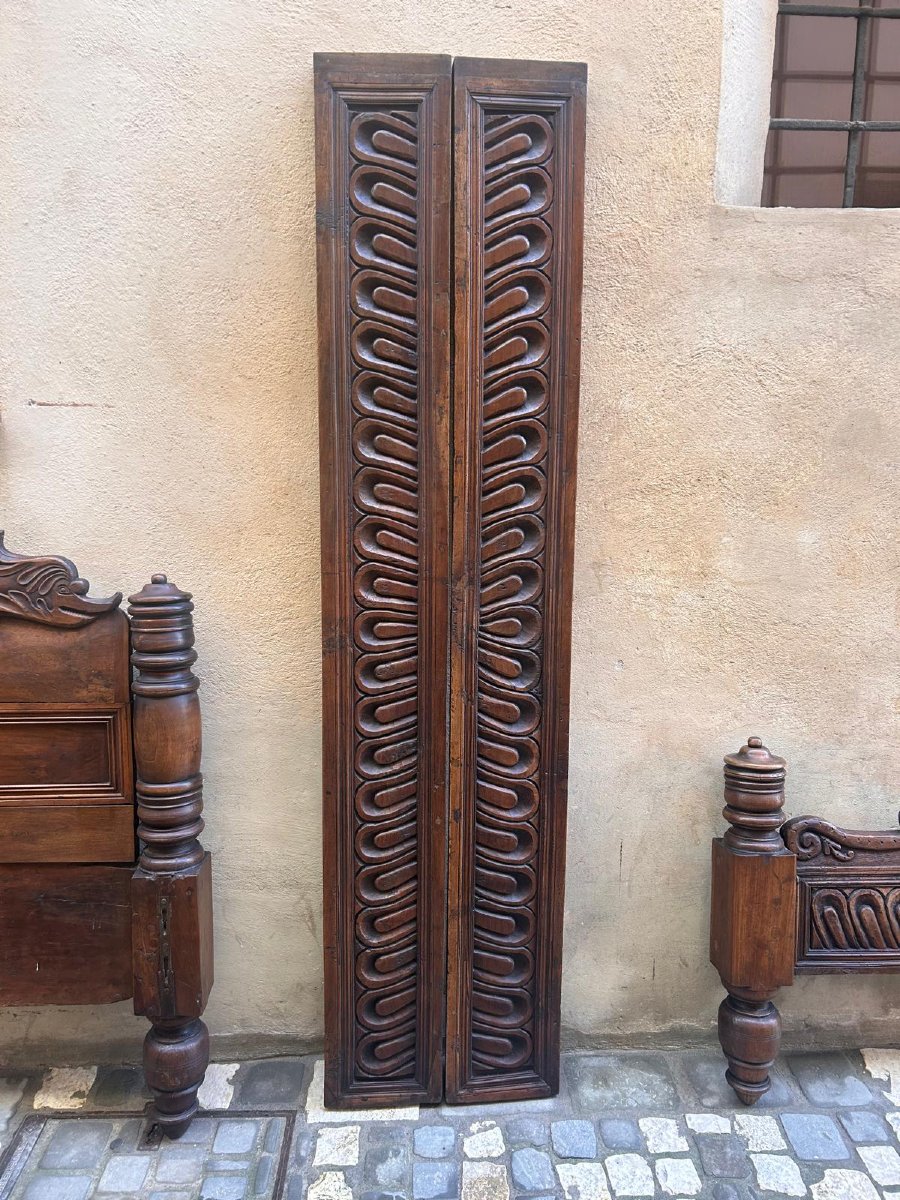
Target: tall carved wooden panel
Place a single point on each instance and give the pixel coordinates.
(383, 128)
(446, 682)
(518, 174)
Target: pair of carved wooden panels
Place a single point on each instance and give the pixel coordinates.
(450, 201)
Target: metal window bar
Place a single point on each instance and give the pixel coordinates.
(857, 125)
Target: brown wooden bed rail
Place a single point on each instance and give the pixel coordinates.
(105, 890)
(790, 897)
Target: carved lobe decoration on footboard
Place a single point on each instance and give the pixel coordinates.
(848, 895)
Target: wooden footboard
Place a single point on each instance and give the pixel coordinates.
(790, 897)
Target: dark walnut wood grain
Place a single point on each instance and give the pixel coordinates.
(172, 886)
(518, 178)
(382, 134)
(67, 798)
(65, 933)
(799, 897)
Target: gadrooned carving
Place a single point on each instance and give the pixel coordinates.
(518, 310)
(48, 589)
(383, 193)
(848, 918)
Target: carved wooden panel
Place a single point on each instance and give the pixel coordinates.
(849, 897)
(383, 245)
(518, 163)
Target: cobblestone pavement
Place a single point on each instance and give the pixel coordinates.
(635, 1124)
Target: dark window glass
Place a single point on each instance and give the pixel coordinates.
(836, 71)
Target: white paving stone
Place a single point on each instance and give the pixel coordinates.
(893, 1119)
(678, 1177)
(885, 1064)
(485, 1140)
(630, 1175)
(761, 1133)
(11, 1092)
(662, 1135)
(337, 1146)
(318, 1114)
(583, 1181)
(217, 1089)
(778, 1173)
(65, 1089)
(707, 1123)
(882, 1163)
(484, 1181)
(846, 1185)
(330, 1186)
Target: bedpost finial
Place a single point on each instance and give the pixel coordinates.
(754, 798)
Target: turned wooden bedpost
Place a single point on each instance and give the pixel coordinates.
(753, 916)
(171, 889)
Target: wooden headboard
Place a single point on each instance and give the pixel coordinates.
(105, 890)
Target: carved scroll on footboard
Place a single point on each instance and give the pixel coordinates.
(803, 897)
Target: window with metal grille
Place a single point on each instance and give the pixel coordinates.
(834, 136)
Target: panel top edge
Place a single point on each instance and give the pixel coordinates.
(522, 70)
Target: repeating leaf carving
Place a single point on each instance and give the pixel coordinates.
(517, 315)
(383, 303)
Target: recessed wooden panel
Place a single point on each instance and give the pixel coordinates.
(66, 934)
(382, 135)
(518, 163)
(48, 757)
(86, 834)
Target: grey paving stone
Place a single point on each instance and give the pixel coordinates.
(127, 1137)
(118, 1088)
(434, 1141)
(77, 1144)
(728, 1191)
(387, 1166)
(620, 1134)
(274, 1083)
(706, 1075)
(171, 1196)
(574, 1139)
(274, 1134)
(58, 1187)
(865, 1127)
(303, 1145)
(179, 1164)
(723, 1155)
(829, 1080)
(236, 1137)
(532, 1170)
(223, 1187)
(601, 1082)
(220, 1163)
(265, 1173)
(200, 1131)
(124, 1173)
(814, 1137)
(384, 1196)
(529, 1130)
(435, 1181)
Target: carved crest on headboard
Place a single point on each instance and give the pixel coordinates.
(48, 590)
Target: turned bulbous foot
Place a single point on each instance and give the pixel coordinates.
(750, 1034)
(176, 1055)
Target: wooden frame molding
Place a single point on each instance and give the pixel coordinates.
(790, 898)
(383, 186)
(518, 173)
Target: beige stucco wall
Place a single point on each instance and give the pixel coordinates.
(738, 501)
